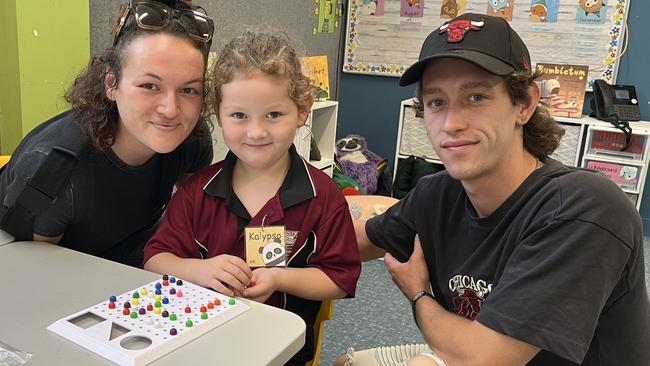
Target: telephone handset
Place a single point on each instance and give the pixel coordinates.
(616, 104)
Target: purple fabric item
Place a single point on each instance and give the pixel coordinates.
(364, 167)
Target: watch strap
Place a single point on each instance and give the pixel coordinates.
(418, 296)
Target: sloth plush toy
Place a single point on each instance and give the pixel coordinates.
(359, 163)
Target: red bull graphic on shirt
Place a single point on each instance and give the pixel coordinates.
(469, 295)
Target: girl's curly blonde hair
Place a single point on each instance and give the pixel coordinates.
(269, 53)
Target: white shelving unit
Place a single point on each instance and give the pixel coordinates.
(412, 136)
(599, 149)
(584, 144)
(321, 124)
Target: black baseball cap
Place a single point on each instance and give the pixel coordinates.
(487, 41)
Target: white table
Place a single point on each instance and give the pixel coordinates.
(41, 283)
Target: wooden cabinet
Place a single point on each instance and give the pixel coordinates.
(587, 142)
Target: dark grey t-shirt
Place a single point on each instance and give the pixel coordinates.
(558, 265)
(105, 204)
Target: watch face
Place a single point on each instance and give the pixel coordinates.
(419, 295)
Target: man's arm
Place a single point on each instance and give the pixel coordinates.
(457, 340)
(367, 250)
(368, 207)
(460, 341)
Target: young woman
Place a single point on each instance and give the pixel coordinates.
(98, 177)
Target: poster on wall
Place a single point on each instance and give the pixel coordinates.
(562, 88)
(315, 69)
(577, 32)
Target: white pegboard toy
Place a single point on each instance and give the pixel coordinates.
(139, 326)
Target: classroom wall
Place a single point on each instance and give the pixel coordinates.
(44, 45)
(9, 79)
(296, 18)
(369, 105)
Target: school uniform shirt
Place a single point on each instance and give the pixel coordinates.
(205, 218)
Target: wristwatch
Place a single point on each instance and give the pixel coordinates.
(418, 296)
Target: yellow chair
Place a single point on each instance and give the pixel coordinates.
(326, 312)
(4, 159)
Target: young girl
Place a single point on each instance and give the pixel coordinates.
(135, 128)
(261, 98)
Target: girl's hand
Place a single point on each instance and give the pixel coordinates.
(266, 283)
(225, 273)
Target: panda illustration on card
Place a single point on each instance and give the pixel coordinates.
(273, 254)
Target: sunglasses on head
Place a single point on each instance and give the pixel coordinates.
(152, 15)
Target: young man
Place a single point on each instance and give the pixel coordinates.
(508, 256)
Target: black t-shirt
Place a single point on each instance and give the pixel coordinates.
(106, 206)
(558, 265)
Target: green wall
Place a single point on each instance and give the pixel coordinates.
(45, 44)
(9, 80)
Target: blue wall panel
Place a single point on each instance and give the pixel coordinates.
(369, 106)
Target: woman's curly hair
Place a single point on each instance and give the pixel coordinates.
(96, 114)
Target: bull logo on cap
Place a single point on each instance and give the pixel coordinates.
(456, 30)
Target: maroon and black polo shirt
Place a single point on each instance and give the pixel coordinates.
(205, 219)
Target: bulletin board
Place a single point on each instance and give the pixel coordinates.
(310, 32)
(381, 38)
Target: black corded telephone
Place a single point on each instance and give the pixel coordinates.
(616, 104)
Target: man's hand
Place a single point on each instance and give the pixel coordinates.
(412, 276)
